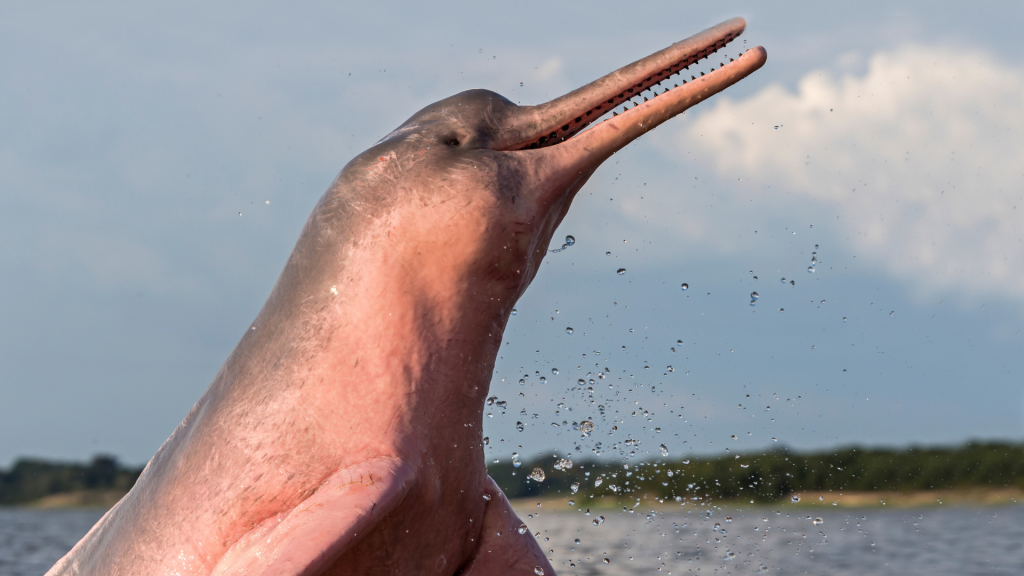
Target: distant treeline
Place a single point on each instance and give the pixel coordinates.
(30, 479)
(775, 475)
(762, 477)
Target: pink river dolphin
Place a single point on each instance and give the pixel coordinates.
(343, 433)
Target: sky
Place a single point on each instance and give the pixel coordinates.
(157, 164)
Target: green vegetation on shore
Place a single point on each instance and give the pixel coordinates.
(776, 475)
(32, 480)
(976, 468)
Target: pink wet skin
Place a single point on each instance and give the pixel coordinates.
(343, 433)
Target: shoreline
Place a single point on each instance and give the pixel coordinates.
(975, 497)
(979, 497)
(79, 500)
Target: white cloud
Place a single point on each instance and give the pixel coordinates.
(551, 68)
(921, 157)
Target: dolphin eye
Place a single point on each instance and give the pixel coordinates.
(452, 142)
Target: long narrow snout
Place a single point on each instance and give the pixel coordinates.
(559, 129)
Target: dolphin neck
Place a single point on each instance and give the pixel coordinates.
(381, 319)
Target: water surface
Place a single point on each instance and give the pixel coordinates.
(839, 542)
(33, 540)
(932, 541)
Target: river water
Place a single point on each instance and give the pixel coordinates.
(932, 541)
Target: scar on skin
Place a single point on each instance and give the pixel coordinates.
(369, 481)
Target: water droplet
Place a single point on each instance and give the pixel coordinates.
(670, 369)
(685, 286)
(520, 84)
(607, 561)
(537, 475)
(598, 482)
(620, 271)
(570, 240)
(487, 440)
(522, 382)
(577, 541)
(554, 370)
(783, 280)
(572, 502)
(586, 427)
(810, 269)
(522, 529)
(569, 330)
(795, 498)
(844, 318)
(520, 426)
(537, 569)
(515, 311)
(543, 380)
(574, 487)
(818, 521)
(753, 298)
(487, 497)
(663, 449)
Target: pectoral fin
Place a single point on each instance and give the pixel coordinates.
(310, 537)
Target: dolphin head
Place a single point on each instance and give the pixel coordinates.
(474, 186)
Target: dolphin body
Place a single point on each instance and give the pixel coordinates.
(343, 433)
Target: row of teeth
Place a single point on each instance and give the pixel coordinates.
(636, 100)
(635, 95)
